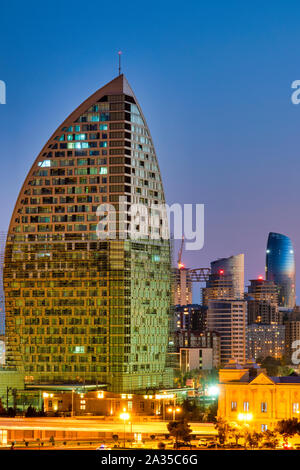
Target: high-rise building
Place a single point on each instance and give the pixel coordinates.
(262, 298)
(232, 267)
(226, 280)
(182, 286)
(3, 236)
(292, 333)
(85, 301)
(190, 317)
(265, 340)
(229, 319)
(262, 289)
(227, 310)
(280, 267)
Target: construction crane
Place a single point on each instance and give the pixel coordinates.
(180, 264)
(196, 274)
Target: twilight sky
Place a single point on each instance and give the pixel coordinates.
(214, 82)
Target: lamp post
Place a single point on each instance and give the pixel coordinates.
(72, 412)
(174, 410)
(245, 417)
(125, 416)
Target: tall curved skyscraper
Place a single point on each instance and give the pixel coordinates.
(280, 267)
(81, 308)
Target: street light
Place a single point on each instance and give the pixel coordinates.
(175, 410)
(213, 391)
(245, 417)
(125, 416)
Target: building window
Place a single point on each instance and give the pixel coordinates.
(295, 408)
(246, 406)
(264, 407)
(264, 427)
(233, 406)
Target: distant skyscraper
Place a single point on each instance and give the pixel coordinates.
(81, 308)
(226, 280)
(262, 299)
(280, 267)
(229, 319)
(182, 287)
(233, 267)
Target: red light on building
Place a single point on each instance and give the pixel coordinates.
(180, 266)
(221, 271)
(260, 278)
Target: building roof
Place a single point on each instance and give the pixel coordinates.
(232, 364)
(291, 379)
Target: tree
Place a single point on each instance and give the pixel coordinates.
(235, 433)
(222, 427)
(31, 412)
(161, 445)
(253, 438)
(288, 427)
(270, 439)
(11, 412)
(212, 411)
(180, 430)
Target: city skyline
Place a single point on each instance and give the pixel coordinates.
(213, 124)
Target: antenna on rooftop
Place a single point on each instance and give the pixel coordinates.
(119, 54)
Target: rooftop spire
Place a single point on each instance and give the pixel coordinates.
(119, 54)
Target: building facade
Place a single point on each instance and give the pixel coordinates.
(182, 286)
(231, 268)
(205, 340)
(99, 403)
(292, 334)
(265, 340)
(256, 399)
(280, 267)
(87, 287)
(229, 319)
(3, 236)
(190, 317)
(195, 359)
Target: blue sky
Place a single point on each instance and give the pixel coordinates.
(214, 82)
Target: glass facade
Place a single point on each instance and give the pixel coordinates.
(80, 308)
(280, 267)
(3, 236)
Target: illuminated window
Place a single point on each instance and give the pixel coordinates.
(264, 427)
(264, 407)
(246, 406)
(233, 406)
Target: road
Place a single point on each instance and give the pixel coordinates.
(97, 425)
